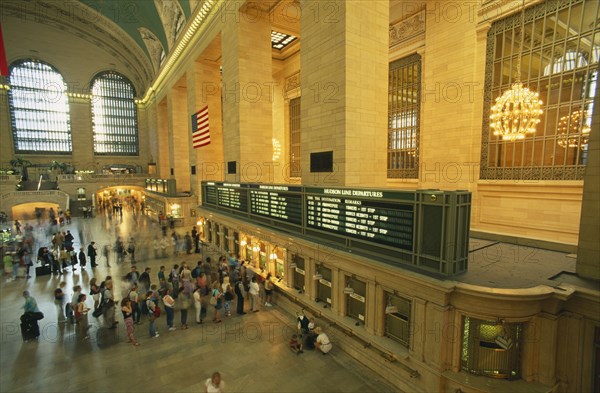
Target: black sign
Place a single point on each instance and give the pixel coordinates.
(227, 195)
(281, 203)
(389, 223)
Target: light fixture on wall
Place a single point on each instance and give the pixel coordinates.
(276, 149)
(390, 308)
(573, 131)
(348, 290)
(502, 339)
(317, 276)
(243, 243)
(516, 112)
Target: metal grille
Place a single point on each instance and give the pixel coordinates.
(39, 109)
(324, 291)
(356, 307)
(397, 325)
(559, 49)
(404, 106)
(295, 142)
(298, 277)
(484, 354)
(114, 115)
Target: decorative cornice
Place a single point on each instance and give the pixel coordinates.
(407, 29)
(292, 82)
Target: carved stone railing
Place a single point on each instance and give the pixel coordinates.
(407, 29)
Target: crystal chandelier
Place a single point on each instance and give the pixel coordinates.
(572, 131)
(516, 113)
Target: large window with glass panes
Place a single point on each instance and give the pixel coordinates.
(404, 106)
(553, 49)
(114, 115)
(39, 108)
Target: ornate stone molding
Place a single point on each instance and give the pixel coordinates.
(172, 17)
(407, 29)
(292, 82)
(153, 45)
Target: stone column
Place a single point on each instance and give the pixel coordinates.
(248, 95)
(588, 250)
(181, 137)
(344, 83)
(204, 89)
(162, 132)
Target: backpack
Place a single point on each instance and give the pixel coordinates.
(144, 308)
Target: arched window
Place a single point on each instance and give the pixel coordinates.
(39, 108)
(114, 115)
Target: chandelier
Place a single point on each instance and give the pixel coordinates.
(573, 133)
(516, 112)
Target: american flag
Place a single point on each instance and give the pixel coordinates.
(200, 130)
(3, 64)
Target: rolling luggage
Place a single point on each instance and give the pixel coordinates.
(42, 270)
(29, 328)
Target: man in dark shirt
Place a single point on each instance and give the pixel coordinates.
(91, 251)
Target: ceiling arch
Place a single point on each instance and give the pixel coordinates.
(158, 17)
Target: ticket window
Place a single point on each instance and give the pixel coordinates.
(279, 256)
(250, 254)
(299, 273)
(355, 301)
(218, 236)
(262, 259)
(397, 319)
(236, 243)
(324, 285)
(226, 240)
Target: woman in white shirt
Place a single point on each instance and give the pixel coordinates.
(254, 290)
(169, 303)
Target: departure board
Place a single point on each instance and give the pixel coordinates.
(210, 194)
(362, 214)
(399, 227)
(228, 195)
(283, 203)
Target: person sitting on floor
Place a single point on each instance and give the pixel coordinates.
(322, 342)
(295, 345)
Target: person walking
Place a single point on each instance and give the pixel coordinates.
(59, 302)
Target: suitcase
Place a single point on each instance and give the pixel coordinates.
(43, 270)
(29, 329)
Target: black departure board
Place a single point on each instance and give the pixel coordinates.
(395, 226)
(362, 214)
(210, 194)
(228, 195)
(282, 203)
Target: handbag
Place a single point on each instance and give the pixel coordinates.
(156, 312)
(213, 301)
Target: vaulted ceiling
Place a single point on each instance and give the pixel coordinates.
(153, 24)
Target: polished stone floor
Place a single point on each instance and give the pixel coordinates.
(250, 351)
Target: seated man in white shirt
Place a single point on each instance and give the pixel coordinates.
(322, 342)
